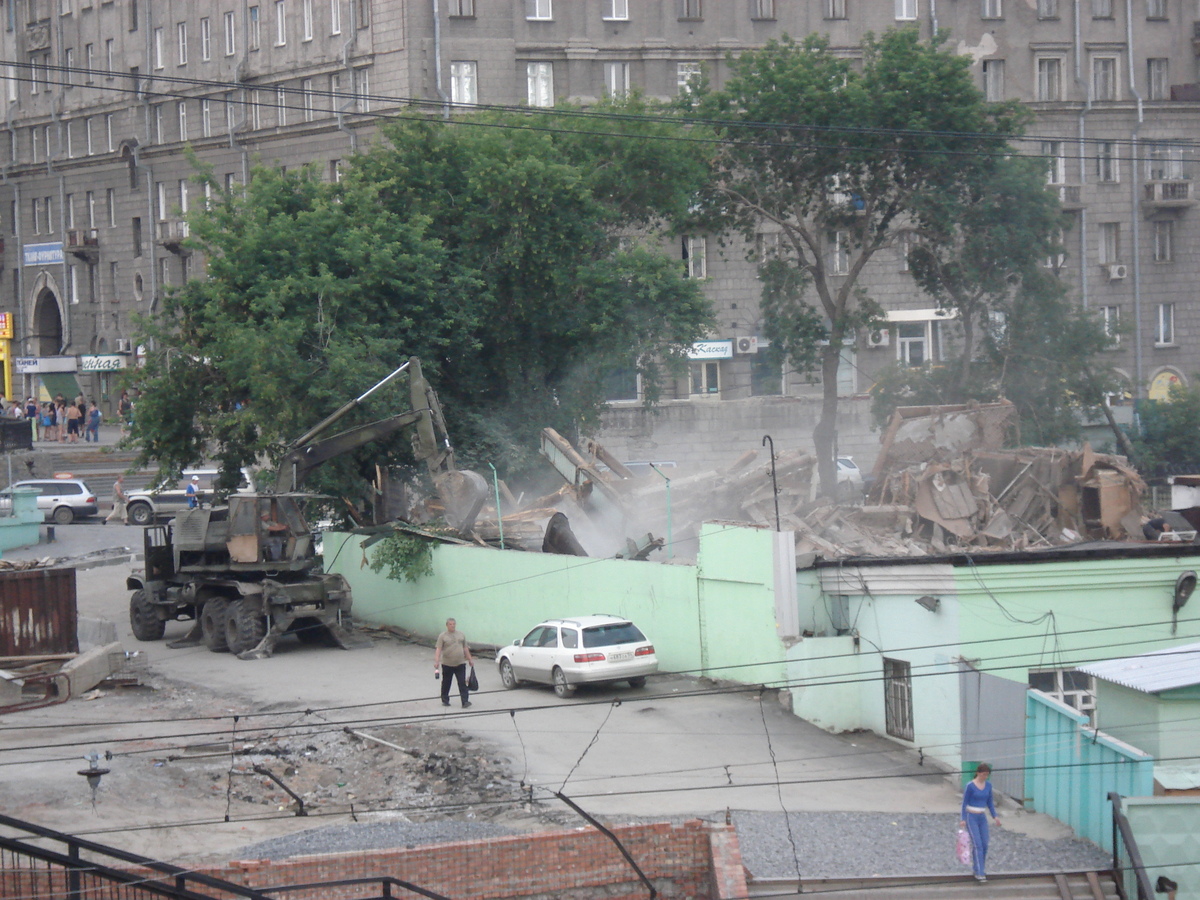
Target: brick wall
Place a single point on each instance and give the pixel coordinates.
(691, 860)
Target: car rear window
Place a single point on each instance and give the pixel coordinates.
(570, 638)
(616, 633)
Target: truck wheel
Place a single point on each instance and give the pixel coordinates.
(146, 625)
(212, 624)
(140, 514)
(244, 628)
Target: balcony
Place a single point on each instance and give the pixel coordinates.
(84, 243)
(1167, 194)
(172, 235)
(1070, 196)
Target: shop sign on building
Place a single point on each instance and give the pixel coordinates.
(108, 363)
(711, 350)
(33, 365)
(47, 254)
(6, 325)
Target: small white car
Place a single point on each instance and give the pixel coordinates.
(585, 650)
(61, 500)
(848, 472)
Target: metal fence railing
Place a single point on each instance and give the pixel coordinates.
(1128, 870)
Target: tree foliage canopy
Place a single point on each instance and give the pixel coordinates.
(489, 249)
(837, 158)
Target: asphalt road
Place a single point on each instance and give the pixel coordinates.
(678, 747)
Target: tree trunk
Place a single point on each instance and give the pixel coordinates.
(964, 374)
(1118, 432)
(825, 434)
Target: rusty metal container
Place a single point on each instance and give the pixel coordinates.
(38, 613)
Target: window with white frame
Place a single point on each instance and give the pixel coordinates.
(1156, 9)
(993, 9)
(538, 10)
(255, 111)
(690, 9)
(1107, 162)
(1069, 686)
(1049, 78)
(620, 384)
(1056, 162)
(763, 9)
(230, 34)
(906, 10)
(897, 698)
(108, 132)
(281, 105)
(335, 17)
(362, 88)
(254, 35)
(69, 207)
(181, 119)
(205, 118)
(1047, 9)
(109, 52)
(1104, 78)
(1164, 241)
(1102, 9)
(1110, 243)
(687, 76)
(181, 43)
(306, 95)
(230, 110)
(69, 65)
(1164, 326)
(306, 18)
(280, 23)
(835, 9)
(1158, 85)
(539, 83)
(695, 257)
(615, 10)
(906, 241)
(205, 39)
(89, 147)
(1110, 319)
(1164, 161)
(464, 84)
(162, 205)
(89, 63)
(839, 253)
(913, 341)
(89, 205)
(110, 199)
(158, 48)
(616, 79)
(37, 215)
(706, 377)
(158, 123)
(69, 132)
(335, 170)
(993, 80)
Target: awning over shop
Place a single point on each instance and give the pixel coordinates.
(55, 383)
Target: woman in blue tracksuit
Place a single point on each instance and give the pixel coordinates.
(977, 803)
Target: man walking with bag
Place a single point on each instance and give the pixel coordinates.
(119, 510)
(451, 656)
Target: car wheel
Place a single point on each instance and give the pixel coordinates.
(64, 515)
(212, 624)
(140, 514)
(639, 682)
(508, 677)
(561, 687)
(143, 619)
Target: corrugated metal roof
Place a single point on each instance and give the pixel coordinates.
(1162, 670)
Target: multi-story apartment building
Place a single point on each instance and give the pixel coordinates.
(102, 97)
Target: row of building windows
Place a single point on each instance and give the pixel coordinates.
(360, 9)
(1105, 84)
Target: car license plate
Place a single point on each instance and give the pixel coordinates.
(620, 657)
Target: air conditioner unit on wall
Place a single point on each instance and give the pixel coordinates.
(1117, 272)
(879, 337)
(746, 344)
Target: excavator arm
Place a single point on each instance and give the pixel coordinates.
(298, 462)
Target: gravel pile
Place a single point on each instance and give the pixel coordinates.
(844, 845)
(370, 836)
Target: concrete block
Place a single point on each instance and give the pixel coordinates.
(88, 669)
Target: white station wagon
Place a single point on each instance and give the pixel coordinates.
(586, 650)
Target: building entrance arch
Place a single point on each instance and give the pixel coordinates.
(47, 323)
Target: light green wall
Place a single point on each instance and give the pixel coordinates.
(702, 618)
(1167, 831)
(23, 527)
(823, 673)
(1084, 595)
(1128, 715)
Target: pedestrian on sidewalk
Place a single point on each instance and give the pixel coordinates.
(977, 803)
(119, 498)
(451, 656)
(92, 432)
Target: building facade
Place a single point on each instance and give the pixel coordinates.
(103, 98)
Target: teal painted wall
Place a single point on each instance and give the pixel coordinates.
(1012, 601)
(23, 527)
(716, 614)
(1167, 831)
(1070, 769)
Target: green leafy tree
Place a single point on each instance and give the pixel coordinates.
(837, 157)
(1168, 439)
(489, 249)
